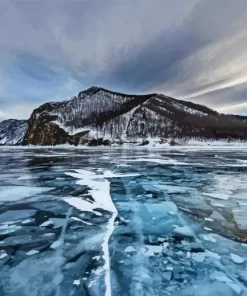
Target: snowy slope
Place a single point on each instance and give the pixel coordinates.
(12, 131)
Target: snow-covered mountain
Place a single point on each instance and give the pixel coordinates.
(12, 131)
(97, 113)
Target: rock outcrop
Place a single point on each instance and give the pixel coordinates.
(12, 131)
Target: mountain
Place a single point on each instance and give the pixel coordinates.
(98, 116)
(12, 131)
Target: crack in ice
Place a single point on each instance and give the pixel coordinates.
(100, 191)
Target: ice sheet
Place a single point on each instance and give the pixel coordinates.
(14, 193)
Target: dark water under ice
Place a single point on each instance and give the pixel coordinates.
(123, 221)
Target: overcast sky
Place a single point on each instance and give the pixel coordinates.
(188, 49)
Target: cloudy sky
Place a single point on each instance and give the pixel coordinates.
(193, 50)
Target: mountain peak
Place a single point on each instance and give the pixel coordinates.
(98, 113)
(95, 89)
(89, 91)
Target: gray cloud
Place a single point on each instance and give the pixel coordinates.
(191, 49)
(205, 53)
(224, 100)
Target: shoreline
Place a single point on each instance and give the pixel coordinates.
(152, 145)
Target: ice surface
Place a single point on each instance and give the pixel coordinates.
(184, 231)
(240, 218)
(32, 252)
(219, 205)
(199, 257)
(154, 249)
(17, 240)
(167, 275)
(209, 238)
(173, 189)
(216, 195)
(165, 245)
(13, 215)
(56, 244)
(236, 288)
(237, 259)
(58, 222)
(242, 203)
(159, 161)
(33, 270)
(49, 234)
(209, 219)
(99, 189)
(80, 220)
(109, 174)
(216, 216)
(14, 193)
(46, 223)
(3, 255)
(100, 192)
(212, 254)
(220, 276)
(129, 249)
(81, 204)
(26, 177)
(76, 282)
(163, 220)
(27, 221)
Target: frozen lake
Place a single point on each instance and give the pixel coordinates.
(123, 221)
